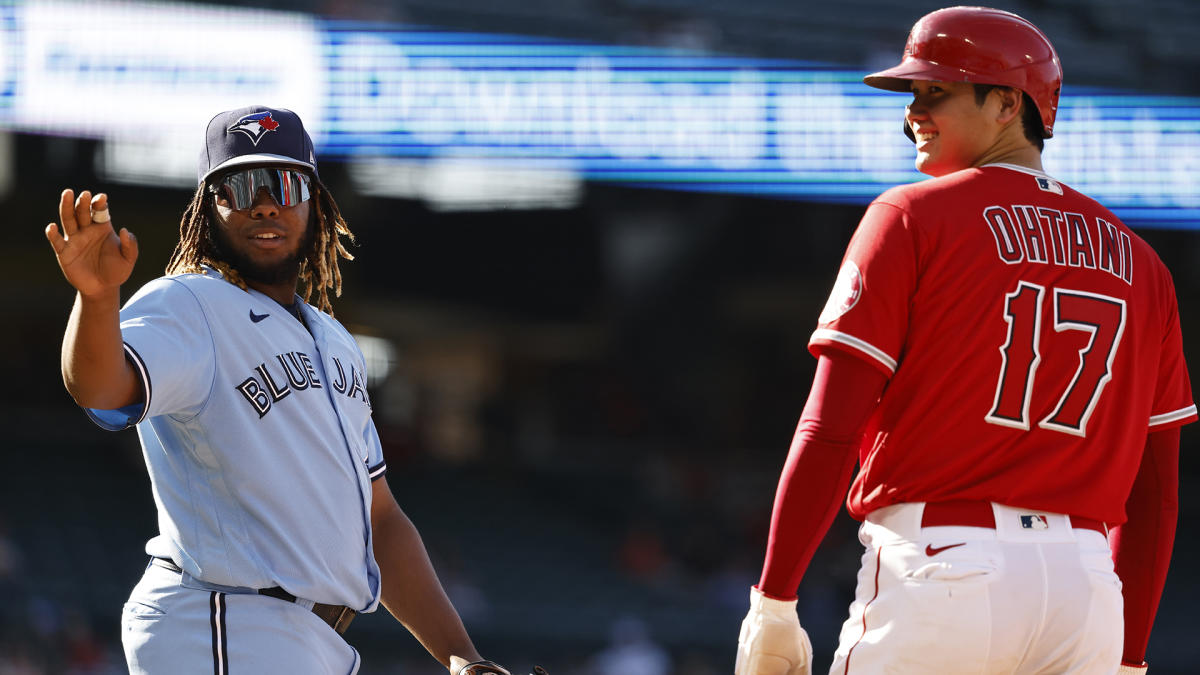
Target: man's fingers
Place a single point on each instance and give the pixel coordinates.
(129, 246)
(56, 238)
(66, 212)
(83, 208)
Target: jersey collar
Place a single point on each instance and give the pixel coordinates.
(1022, 169)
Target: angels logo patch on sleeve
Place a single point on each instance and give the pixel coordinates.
(847, 290)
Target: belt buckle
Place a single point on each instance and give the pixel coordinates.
(342, 621)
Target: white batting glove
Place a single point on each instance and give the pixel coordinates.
(772, 641)
(483, 668)
(1127, 669)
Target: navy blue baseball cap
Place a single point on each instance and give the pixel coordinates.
(256, 135)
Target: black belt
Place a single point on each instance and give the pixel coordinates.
(337, 616)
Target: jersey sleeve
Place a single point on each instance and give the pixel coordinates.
(376, 465)
(169, 343)
(867, 311)
(1173, 404)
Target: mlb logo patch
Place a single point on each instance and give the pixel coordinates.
(1047, 185)
(1033, 522)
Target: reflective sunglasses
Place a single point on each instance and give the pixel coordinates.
(288, 187)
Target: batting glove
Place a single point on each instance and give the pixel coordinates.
(483, 668)
(492, 668)
(772, 641)
(1127, 669)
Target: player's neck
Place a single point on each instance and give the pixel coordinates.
(284, 292)
(1010, 149)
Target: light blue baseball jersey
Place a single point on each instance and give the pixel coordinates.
(258, 438)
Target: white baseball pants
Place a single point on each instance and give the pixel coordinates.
(1032, 596)
(170, 629)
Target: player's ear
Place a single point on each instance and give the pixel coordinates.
(1011, 101)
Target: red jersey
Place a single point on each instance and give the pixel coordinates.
(1031, 338)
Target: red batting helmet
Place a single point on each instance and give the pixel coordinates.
(980, 45)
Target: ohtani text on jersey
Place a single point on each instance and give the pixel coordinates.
(295, 373)
(1039, 234)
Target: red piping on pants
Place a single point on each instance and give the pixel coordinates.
(878, 556)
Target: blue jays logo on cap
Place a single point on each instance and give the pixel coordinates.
(255, 126)
(277, 137)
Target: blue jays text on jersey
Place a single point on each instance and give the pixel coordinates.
(293, 371)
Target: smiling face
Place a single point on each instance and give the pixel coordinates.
(265, 242)
(953, 130)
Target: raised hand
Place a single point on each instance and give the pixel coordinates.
(93, 257)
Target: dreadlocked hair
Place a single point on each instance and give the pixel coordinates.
(319, 270)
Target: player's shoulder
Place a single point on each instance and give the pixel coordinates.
(1149, 256)
(931, 192)
(205, 278)
(168, 286)
(205, 283)
(187, 289)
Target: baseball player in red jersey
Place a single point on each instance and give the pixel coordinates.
(1004, 355)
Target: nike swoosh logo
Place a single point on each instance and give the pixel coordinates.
(931, 551)
(257, 317)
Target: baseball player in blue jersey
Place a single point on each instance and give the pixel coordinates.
(276, 523)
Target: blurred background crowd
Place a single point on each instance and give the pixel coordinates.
(584, 409)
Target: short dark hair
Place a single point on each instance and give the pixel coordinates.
(1031, 119)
